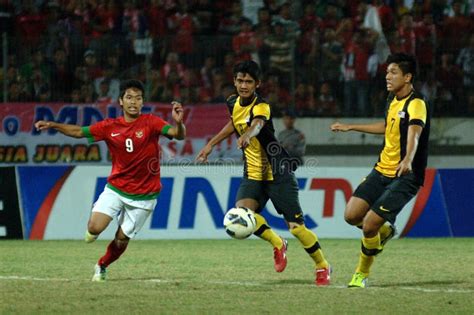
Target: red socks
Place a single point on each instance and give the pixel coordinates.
(112, 254)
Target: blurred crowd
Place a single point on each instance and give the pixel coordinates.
(319, 58)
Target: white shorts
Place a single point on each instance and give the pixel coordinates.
(130, 214)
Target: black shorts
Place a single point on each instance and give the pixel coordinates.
(283, 192)
(387, 196)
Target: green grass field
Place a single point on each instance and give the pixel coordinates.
(412, 276)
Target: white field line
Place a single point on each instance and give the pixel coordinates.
(28, 278)
(246, 283)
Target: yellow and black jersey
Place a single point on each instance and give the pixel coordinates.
(399, 115)
(264, 157)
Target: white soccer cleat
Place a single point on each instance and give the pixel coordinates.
(99, 273)
(89, 238)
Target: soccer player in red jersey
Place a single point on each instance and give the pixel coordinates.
(134, 182)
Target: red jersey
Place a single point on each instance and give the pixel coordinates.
(135, 153)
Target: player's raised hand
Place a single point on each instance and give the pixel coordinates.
(204, 153)
(177, 112)
(337, 126)
(42, 125)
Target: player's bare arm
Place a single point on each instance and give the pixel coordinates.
(375, 128)
(68, 130)
(254, 130)
(225, 133)
(179, 131)
(414, 133)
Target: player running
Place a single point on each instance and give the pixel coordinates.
(134, 182)
(268, 170)
(400, 170)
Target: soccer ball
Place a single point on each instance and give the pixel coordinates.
(240, 222)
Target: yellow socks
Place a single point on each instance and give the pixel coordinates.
(309, 240)
(265, 232)
(370, 247)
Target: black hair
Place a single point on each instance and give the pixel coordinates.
(131, 84)
(249, 67)
(406, 63)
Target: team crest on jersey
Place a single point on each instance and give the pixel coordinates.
(139, 134)
(401, 114)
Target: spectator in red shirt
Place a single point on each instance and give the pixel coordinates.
(182, 26)
(158, 27)
(356, 76)
(310, 20)
(407, 34)
(425, 31)
(229, 24)
(30, 25)
(456, 29)
(330, 19)
(157, 18)
(105, 19)
(245, 44)
(386, 15)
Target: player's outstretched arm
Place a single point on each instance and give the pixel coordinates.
(255, 127)
(179, 131)
(375, 128)
(225, 133)
(68, 130)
